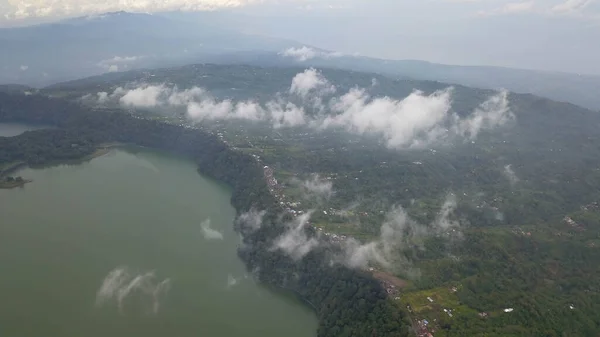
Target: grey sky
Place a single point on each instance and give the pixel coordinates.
(560, 35)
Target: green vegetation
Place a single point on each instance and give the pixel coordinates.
(348, 302)
(12, 182)
(530, 245)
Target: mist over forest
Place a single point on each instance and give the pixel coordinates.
(390, 197)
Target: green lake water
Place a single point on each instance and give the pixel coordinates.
(122, 246)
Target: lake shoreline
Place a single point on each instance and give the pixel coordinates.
(100, 151)
(7, 185)
(89, 243)
(13, 167)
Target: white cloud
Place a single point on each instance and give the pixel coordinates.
(121, 282)
(300, 54)
(118, 62)
(511, 8)
(251, 220)
(403, 123)
(231, 281)
(305, 53)
(210, 109)
(492, 113)
(510, 174)
(295, 242)
(102, 97)
(571, 6)
(518, 7)
(286, 114)
(186, 96)
(199, 103)
(316, 188)
(24, 68)
(311, 80)
(398, 232)
(462, 1)
(22, 9)
(417, 121)
(209, 233)
(146, 96)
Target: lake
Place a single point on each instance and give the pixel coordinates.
(15, 129)
(133, 243)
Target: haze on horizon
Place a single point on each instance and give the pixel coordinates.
(551, 35)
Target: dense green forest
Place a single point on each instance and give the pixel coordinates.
(347, 302)
(529, 242)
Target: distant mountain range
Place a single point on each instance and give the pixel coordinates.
(573, 88)
(75, 48)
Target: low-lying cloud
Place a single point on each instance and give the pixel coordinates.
(492, 113)
(231, 281)
(305, 53)
(398, 232)
(311, 80)
(416, 121)
(316, 188)
(209, 233)
(251, 220)
(510, 174)
(295, 241)
(118, 63)
(35, 9)
(122, 283)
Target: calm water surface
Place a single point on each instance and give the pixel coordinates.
(122, 246)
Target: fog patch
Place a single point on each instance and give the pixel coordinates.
(311, 80)
(285, 114)
(510, 174)
(295, 241)
(398, 233)
(231, 281)
(117, 63)
(251, 220)
(315, 188)
(145, 97)
(121, 285)
(208, 232)
(492, 113)
(305, 53)
(417, 121)
(403, 123)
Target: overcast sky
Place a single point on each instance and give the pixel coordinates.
(559, 35)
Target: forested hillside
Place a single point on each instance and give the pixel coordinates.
(524, 258)
(333, 292)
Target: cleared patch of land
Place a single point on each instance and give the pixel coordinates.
(383, 276)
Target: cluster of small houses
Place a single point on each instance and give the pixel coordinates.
(594, 206)
(270, 178)
(291, 206)
(423, 329)
(569, 221)
(519, 231)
